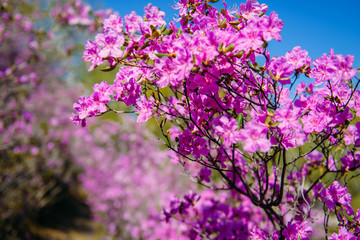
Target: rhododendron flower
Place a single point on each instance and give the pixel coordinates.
(344, 69)
(99, 104)
(298, 58)
(114, 22)
(280, 70)
(323, 69)
(336, 194)
(200, 147)
(288, 116)
(284, 96)
(227, 129)
(131, 91)
(206, 83)
(254, 136)
(185, 142)
(205, 174)
(91, 53)
(343, 234)
(167, 73)
(315, 121)
(104, 91)
(145, 109)
(296, 230)
(154, 15)
(291, 139)
(336, 67)
(272, 27)
(252, 8)
(132, 22)
(258, 234)
(77, 121)
(251, 37)
(317, 190)
(85, 107)
(110, 43)
(349, 161)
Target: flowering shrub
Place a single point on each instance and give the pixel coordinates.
(234, 119)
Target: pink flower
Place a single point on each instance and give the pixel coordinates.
(323, 69)
(91, 53)
(343, 234)
(206, 83)
(291, 139)
(85, 107)
(251, 37)
(200, 147)
(104, 91)
(315, 121)
(128, 92)
(185, 142)
(205, 174)
(349, 161)
(114, 22)
(77, 121)
(297, 230)
(167, 72)
(145, 109)
(110, 43)
(258, 234)
(99, 105)
(288, 116)
(227, 129)
(254, 135)
(298, 58)
(344, 69)
(154, 15)
(336, 194)
(271, 27)
(280, 70)
(132, 22)
(252, 8)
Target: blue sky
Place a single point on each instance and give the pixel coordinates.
(315, 25)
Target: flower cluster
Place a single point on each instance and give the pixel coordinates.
(211, 216)
(234, 123)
